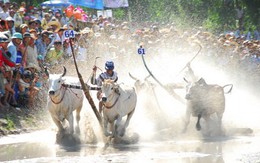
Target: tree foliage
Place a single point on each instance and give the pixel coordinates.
(214, 15)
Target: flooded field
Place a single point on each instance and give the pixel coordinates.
(40, 147)
(158, 140)
(156, 129)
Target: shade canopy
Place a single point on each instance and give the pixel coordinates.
(56, 3)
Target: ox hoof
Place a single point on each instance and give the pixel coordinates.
(77, 130)
(184, 130)
(59, 136)
(122, 133)
(198, 127)
(108, 134)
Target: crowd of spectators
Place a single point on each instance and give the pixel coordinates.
(33, 40)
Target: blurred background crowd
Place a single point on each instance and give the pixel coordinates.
(36, 41)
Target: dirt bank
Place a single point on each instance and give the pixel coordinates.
(19, 120)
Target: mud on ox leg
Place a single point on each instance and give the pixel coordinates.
(78, 110)
(198, 126)
(126, 124)
(58, 124)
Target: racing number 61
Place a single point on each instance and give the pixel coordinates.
(141, 51)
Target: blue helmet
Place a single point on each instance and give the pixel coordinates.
(109, 65)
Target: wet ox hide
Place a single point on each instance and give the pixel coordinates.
(62, 101)
(119, 101)
(204, 100)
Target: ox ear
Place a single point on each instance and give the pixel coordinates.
(116, 88)
(64, 71)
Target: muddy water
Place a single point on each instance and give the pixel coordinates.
(40, 147)
(157, 124)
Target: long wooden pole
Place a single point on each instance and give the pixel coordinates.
(171, 92)
(85, 89)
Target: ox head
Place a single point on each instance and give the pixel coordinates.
(142, 85)
(109, 89)
(55, 82)
(196, 89)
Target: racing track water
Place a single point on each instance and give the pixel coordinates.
(34, 147)
(159, 134)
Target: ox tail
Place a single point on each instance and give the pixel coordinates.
(230, 89)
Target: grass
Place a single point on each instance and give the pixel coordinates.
(10, 122)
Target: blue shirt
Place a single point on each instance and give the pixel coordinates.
(41, 47)
(13, 50)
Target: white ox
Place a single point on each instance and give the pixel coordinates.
(62, 101)
(118, 101)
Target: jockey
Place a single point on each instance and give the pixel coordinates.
(108, 74)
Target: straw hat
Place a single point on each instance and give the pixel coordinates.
(54, 22)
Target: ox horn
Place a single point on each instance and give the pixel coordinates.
(145, 79)
(132, 76)
(64, 72)
(185, 80)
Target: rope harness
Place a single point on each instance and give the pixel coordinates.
(66, 86)
(109, 107)
(61, 97)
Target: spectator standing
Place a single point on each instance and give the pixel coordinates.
(1, 5)
(38, 26)
(60, 35)
(23, 28)
(32, 54)
(32, 25)
(18, 18)
(240, 17)
(13, 47)
(10, 25)
(55, 54)
(24, 47)
(5, 13)
(257, 33)
(45, 20)
(44, 44)
(249, 34)
(12, 13)
(67, 49)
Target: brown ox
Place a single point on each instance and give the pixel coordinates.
(203, 100)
